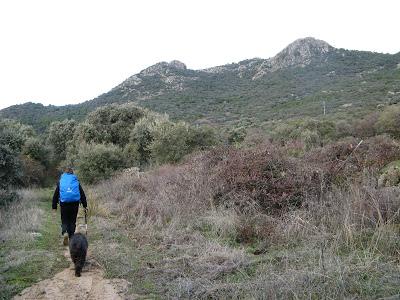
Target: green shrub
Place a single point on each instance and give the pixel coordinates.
(10, 168)
(35, 149)
(58, 136)
(236, 135)
(98, 161)
(311, 132)
(172, 141)
(138, 150)
(389, 121)
(110, 124)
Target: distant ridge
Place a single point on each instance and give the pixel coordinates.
(291, 84)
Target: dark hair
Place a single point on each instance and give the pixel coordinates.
(68, 170)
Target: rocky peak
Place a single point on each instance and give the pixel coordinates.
(163, 68)
(300, 52)
(177, 65)
(307, 46)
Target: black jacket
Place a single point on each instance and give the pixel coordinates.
(56, 196)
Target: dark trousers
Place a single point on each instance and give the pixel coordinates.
(69, 211)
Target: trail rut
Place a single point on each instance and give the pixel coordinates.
(91, 285)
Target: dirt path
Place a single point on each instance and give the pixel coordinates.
(91, 285)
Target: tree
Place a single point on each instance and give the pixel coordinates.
(59, 134)
(10, 168)
(172, 141)
(34, 149)
(110, 124)
(142, 136)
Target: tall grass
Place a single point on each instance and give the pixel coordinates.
(20, 220)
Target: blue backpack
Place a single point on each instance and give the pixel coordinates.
(69, 188)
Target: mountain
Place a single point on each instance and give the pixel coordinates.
(291, 84)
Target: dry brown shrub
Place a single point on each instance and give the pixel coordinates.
(263, 177)
(367, 126)
(344, 159)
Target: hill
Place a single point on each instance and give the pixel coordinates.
(293, 83)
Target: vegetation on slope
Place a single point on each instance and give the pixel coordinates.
(350, 82)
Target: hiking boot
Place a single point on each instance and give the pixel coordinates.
(65, 239)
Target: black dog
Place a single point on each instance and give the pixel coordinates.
(78, 246)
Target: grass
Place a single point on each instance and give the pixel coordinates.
(31, 251)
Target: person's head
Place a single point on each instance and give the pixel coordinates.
(68, 170)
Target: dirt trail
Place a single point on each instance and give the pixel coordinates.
(91, 285)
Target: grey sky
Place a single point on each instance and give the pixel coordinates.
(63, 52)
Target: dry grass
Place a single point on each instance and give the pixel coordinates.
(170, 237)
(21, 219)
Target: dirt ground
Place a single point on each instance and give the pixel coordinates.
(91, 285)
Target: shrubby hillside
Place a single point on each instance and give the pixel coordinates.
(294, 83)
(109, 139)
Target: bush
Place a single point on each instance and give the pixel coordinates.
(10, 167)
(98, 161)
(367, 126)
(389, 121)
(34, 149)
(110, 124)
(236, 135)
(141, 137)
(172, 141)
(33, 172)
(262, 177)
(311, 132)
(343, 161)
(58, 136)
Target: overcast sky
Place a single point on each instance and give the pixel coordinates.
(64, 52)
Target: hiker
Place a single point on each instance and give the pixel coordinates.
(69, 193)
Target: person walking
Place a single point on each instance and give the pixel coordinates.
(69, 194)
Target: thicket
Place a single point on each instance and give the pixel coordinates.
(115, 137)
(111, 138)
(24, 159)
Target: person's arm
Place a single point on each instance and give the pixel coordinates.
(83, 196)
(56, 196)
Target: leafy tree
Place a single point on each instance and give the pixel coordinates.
(10, 168)
(172, 141)
(141, 137)
(59, 134)
(110, 124)
(34, 149)
(14, 134)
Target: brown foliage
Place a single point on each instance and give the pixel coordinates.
(344, 159)
(263, 177)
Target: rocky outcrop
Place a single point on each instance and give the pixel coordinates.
(163, 68)
(299, 53)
